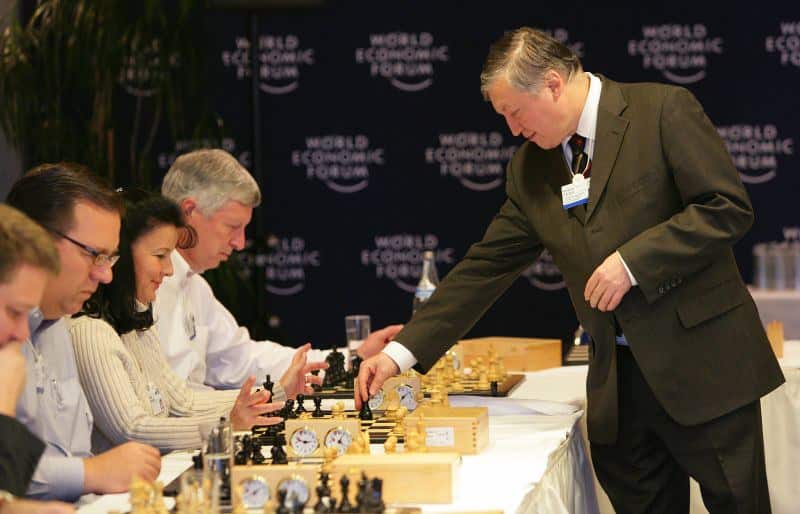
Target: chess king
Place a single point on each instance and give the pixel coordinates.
(632, 191)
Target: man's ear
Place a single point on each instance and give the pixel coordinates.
(554, 83)
(189, 208)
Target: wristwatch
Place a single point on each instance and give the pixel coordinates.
(6, 497)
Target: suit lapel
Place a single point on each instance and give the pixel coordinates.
(611, 128)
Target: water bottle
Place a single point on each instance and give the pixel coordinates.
(218, 454)
(428, 281)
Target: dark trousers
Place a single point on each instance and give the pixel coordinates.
(647, 470)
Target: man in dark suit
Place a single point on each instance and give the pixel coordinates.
(635, 196)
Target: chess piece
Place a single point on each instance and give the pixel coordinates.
(140, 494)
(316, 387)
(392, 403)
(301, 398)
(337, 412)
(422, 433)
(282, 508)
(412, 442)
(376, 504)
(158, 505)
(289, 408)
(345, 506)
(335, 372)
(240, 457)
(365, 441)
(493, 389)
(256, 457)
(269, 385)
(483, 380)
(390, 446)
(277, 452)
(324, 504)
(363, 493)
(317, 406)
(365, 414)
(399, 429)
(238, 505)
(329, 454)
(356, 446)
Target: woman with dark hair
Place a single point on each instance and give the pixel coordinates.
(133, 393)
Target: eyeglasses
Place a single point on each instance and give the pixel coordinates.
(98, 259)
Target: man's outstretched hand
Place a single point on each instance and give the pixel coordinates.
(371, 376)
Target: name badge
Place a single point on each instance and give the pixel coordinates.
(576, 193)
(157, 404)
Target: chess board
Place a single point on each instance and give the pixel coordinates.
(504, 387)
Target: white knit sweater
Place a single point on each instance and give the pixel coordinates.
(133, 393)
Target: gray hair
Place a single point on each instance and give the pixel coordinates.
(523, 56)
(212, 177)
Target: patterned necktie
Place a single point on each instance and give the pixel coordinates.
(580, 160)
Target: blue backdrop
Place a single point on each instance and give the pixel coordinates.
(377, 144)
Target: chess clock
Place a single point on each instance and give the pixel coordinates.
(255, 492)
(296, 485)
(377, 400)
(304, 441)
(338, 438)
(403, 388)
(309, 437)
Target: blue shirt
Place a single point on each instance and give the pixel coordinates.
(54, 407)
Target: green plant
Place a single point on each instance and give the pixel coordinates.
(95, 80)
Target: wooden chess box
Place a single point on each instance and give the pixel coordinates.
(452, 429)
(517, 353)
(407, 477)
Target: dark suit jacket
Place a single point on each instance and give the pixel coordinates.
(19, 453)
(665, 193)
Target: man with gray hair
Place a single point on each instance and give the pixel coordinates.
(200, 338)
(635, 196)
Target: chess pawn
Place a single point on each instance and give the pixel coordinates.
(412, 442)
(456, 385)
(140, 493)
(365, 441)
(483, 380)
(399, 427)
(356, 447)
(337, 412)
(238, 506)
(422, 434)
(159, 507)
(392, 403)
(390, 446)
(448, 367)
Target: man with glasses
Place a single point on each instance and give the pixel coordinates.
(83, 217)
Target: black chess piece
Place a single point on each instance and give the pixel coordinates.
(289, 410)
(241, 456)
(345, 506)
(365, 414)
(493, 388)
(325, 503)
(294, 504)
(355, 366)
(300, 407)
(317, 407)
(316, 387)
(282, 508)
(277, 452)
(377, 506)
(269, 385)
(255, 452)
(364, 493)
(335, 372)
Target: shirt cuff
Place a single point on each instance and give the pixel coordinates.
(401, 356)
(59, 478)
(630, 275)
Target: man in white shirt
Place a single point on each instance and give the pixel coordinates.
(200, 338)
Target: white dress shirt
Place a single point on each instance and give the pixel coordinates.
(53, 406)
(587, 127)
(202, 341)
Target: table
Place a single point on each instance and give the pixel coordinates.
(530, 467)
(783, 306)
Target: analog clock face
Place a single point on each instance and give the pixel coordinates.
(376, 401)
(304, 441)
(407, 396)
(338, 438)
(296, 490)
(255, 492)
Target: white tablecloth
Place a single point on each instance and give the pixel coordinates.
(783, 306)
